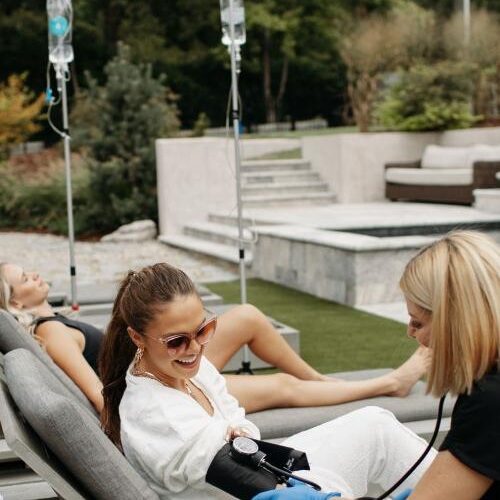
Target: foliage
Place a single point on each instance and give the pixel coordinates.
(19, 110)
(428, 98)
(39, 201)
(483, 52)
(131, 110)
(378, 44)
(200, 125)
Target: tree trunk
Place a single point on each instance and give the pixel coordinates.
(362, 91)
(283, 82)
(113, 14)
(269, 101)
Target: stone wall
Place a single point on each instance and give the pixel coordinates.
(348, 268)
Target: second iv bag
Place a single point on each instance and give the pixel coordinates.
(60, 20)
(238, 21)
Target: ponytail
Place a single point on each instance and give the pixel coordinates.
(115, 357)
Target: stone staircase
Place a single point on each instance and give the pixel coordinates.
(264, 184)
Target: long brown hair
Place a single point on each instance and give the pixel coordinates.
(138, 300)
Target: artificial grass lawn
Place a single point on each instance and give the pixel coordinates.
(333, 337)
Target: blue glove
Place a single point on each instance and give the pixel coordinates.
(403, 495)
(297, 491)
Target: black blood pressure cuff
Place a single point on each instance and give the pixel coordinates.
(240, 480)
(244, 481)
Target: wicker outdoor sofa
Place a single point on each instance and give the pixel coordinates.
(445, 180)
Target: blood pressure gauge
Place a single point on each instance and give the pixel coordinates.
(246, 450)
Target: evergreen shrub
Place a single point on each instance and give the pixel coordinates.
(429, 97)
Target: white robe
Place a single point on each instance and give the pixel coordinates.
(171, 440)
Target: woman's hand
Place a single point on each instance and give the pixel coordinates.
(234, 432)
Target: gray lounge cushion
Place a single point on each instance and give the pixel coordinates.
(71, 432)
(13, 336)
(284, 422)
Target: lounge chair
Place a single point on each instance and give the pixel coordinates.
(93, 466)
(444, 174)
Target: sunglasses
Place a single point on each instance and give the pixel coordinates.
(177, 344)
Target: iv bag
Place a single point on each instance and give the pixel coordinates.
(60, 23)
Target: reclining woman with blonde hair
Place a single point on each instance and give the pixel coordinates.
(74, 346)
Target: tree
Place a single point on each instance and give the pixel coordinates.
(19, 110)
(131, 110)
(483, 54)
(377, 45)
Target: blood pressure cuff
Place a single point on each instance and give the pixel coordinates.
(244, 481)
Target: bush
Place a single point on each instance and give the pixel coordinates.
(429, 98)
(19, 110)
(39, 201)
(129, 112)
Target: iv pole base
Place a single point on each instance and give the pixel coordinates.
(244, 369)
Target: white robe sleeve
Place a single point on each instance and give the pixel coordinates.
(229, 406)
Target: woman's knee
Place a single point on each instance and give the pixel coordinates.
(249, 316)
(373, 416)
(287, 386)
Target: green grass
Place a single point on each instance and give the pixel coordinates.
(303, 133)
(288, 154)
(333, 337)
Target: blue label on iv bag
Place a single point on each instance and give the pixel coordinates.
(58, 26)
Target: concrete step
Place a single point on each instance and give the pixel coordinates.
(24, 484)
(288, 200)
(218, 233)
(274, 165)
(275, 188)
(218, 250)
(258, 178)
(487, 200)
(232, 220)
(291, 336)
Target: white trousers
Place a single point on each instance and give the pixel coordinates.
(366, 446)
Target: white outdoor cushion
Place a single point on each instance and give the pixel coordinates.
(430, 176)
(483, 152)
(445, 157)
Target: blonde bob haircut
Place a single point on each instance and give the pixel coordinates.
(456, 281)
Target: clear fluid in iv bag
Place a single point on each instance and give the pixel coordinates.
(238, 21)
(60, 21)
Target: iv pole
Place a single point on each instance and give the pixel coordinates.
(234, 52)
(60, 25)
(61, 76)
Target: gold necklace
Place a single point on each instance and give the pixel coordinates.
(144, 373)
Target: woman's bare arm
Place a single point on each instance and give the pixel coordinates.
(66, 353)
(447, 477)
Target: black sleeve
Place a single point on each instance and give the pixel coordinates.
(474, 437)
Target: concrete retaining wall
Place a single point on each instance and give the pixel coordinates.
(353, 164)
(347, 268)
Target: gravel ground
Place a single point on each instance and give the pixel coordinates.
(98, 262)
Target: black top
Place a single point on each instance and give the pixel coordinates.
(93, 336)
(474, 436)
